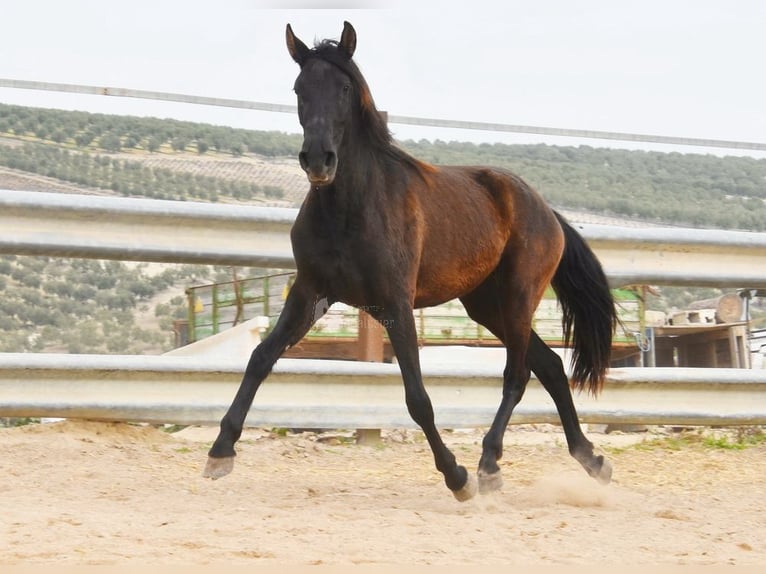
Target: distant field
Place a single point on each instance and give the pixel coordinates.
(284, 173)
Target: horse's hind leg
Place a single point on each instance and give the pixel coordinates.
(548, 367)
(507, 312)
(302, 308)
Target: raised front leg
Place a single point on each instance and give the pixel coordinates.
(302, 309)
(400, 325)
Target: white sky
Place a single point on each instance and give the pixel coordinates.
(691, 68)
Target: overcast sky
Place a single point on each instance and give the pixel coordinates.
(691, 68)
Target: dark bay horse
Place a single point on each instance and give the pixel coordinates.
(387, 233)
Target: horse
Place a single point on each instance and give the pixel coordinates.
(387, 233)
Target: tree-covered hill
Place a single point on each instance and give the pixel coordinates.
(65, 305)
(78, 306)
(120, 154)
(62, 305)
(131, 177)
(114, 133)
(671, 188)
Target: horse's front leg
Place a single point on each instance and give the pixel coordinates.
(302, 308)
(515, 379)
(400, 325)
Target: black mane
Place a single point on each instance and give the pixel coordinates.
(374, 123)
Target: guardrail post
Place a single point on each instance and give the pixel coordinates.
(369, 349)
(370, 340)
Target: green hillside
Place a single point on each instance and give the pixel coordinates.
(173, 160)
(68, 305)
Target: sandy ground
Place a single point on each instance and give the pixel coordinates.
(106, 493)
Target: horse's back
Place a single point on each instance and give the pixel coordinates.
(472, 217)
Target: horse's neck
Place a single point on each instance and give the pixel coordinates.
(360, 178)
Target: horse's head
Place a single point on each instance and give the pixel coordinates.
(331, 93)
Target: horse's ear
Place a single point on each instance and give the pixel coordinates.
(348, 39)
(298, 50)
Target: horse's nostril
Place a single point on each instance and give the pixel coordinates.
(330, 159)
(303, 159)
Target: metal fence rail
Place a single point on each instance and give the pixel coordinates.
(338, 394)
(70, 225)
(394, 119)
(135, 229)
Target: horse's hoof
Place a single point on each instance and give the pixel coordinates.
(604, 474)
(218, 467)
(468, 491)
(490, 482)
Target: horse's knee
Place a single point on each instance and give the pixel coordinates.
(420, 408)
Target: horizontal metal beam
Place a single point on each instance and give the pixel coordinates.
(393, 119)
(338, 394)
(134, 229)
(117, 92)
(71, 225)
(679, 256)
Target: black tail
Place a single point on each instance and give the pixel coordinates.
(589, 312)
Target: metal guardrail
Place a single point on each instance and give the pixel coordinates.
(303, 393)
(679, 256)
(70, 225)
(135, 229)
(340, 394)
(353, 395)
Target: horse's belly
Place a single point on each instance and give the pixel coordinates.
(438, 283)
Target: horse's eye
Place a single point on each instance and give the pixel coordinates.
(346, 88)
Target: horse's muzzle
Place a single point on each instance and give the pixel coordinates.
(319, 167)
